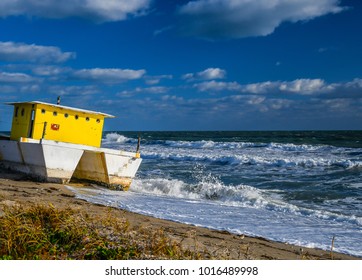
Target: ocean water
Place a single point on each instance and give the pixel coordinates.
(302, 188)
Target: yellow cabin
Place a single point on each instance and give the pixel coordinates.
(39, 120)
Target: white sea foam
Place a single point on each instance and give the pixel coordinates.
(355, 186)
(296, 148)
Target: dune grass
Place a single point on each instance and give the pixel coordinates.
(46, 233)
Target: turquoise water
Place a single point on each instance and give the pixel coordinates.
(297, 187)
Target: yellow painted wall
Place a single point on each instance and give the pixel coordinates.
(21, 121)
(63, 124)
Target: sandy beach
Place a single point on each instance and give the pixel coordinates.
(16, 190)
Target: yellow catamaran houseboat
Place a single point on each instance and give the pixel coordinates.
(57, 143)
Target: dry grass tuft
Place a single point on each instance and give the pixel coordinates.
(44, 232)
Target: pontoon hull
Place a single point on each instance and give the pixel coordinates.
(59, 162)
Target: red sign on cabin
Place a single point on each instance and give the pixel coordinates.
(55, 126)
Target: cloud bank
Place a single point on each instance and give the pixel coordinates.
(11, 51)
(216, 19)
(94, 10)
(296, 87)
(212, 86)
(15, 78)
(108, 75)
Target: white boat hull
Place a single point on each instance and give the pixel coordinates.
(60, 162)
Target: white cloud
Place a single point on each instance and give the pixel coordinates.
(355, 83)
(256, 100)
(278, 104)
(94, 10)
(30, 88)
(162, 30)
(109, 75)
(299, 86)
(50, 70)
(211, 86)
(263, 87)
(244, 18)
(73, 90)
(139, 90)
(10, 51)
(172, 98)
(155, 90)
(6, 77)
(207, 74)
(153, 80)
(304, 86)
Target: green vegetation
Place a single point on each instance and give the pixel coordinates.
(46, 233)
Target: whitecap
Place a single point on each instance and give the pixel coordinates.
(115, 137)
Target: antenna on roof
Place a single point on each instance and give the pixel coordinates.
(58, 100)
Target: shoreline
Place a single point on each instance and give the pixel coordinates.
(16, 189)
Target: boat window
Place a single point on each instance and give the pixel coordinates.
(87, 119)
(16, 111)
(66, 115)
(55, 113)
(98, 121)
(43, 111)
(22, 112)
(76, 117)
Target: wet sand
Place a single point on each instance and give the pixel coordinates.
(17, 189)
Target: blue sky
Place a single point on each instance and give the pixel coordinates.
(187, 65)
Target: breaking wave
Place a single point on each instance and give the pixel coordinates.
(300, 161)
(208, 144)
(213, 190)
(115, 137)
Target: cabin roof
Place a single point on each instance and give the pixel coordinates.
(62, 107)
